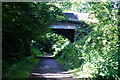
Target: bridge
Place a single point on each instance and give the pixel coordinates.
(67, 27)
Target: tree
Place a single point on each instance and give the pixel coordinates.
(23, 22)
(99, 50)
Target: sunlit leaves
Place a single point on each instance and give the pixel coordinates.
(98, 49)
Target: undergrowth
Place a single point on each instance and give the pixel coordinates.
(35, 52)
(21, 69)
(96, 54)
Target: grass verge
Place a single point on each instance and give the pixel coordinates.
(21, 69)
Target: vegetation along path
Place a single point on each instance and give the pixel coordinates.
(48, 67)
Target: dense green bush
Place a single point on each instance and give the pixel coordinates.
(82, 30)
(51, 43)
(97, 52)
(59, 43)
(35, 52)
(70, 54)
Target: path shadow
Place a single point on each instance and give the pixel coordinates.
(48, 67)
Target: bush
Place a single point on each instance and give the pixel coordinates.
(92, 56)
(35, 52)
(82, 30)
(51, 43)
(59, 43)
(70, 54)
(99, 49)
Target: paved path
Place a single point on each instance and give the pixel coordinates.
(49, 68)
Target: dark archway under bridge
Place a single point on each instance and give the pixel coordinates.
(68, 33)
(66, 28)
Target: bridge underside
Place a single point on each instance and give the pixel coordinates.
(68, 33)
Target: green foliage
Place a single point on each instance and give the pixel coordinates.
(99, 49)
(82, 30)
(35, 52)
(20, 69)
(50, 43)
(23, 22)
(64, 6)
(58, 42)
(70, 54)
(72, 6)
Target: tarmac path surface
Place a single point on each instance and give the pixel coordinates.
(48, 67)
